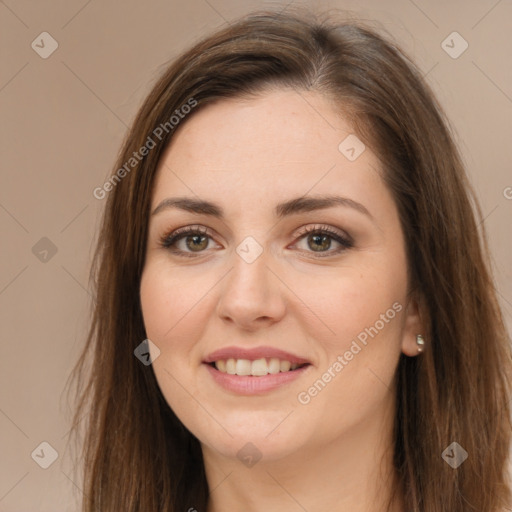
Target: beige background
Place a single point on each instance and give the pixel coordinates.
(62, 121)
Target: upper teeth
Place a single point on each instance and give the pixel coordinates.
(258, 367)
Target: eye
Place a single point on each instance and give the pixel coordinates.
(197, 238)
(319, 240)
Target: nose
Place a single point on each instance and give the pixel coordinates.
(252, 294)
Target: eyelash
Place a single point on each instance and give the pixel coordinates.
(169, 240)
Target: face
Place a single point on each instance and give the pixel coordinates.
(302, 306)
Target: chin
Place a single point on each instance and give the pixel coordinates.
(256, 439)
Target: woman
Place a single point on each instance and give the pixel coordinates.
(289, 239)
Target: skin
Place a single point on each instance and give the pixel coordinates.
(247, 155)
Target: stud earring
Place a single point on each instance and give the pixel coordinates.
(420, 342)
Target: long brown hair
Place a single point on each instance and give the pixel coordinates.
(137, 455)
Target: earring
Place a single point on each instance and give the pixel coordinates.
(420, 342)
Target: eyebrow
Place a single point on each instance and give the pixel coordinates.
(293, 206)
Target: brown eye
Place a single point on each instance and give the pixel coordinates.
(319, 240)
(196, 240)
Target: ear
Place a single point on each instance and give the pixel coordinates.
(413, 325)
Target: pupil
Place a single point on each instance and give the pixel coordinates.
(196, 241)
(324, 238)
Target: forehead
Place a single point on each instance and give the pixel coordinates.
(277, 144)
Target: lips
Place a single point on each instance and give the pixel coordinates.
(253, 354)
(251, 385)
(254, 371)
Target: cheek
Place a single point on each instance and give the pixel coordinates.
(176, 310)
(364, 309)
(169, 327)
(157, 305)
(355, 300)
(172, 322)
(171, 303)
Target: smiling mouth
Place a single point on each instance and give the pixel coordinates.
(255, 368)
